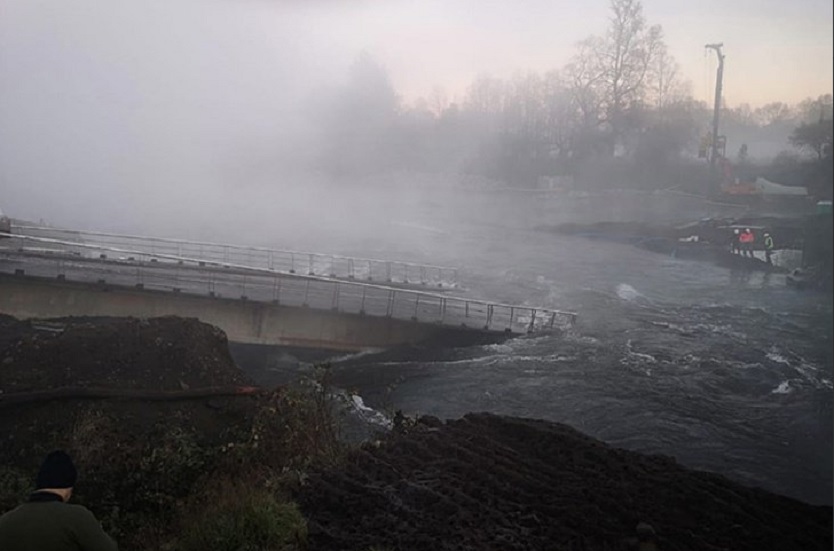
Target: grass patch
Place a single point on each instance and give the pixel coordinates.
(238, 517)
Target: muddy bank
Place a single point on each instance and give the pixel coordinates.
(490, 482)
(712, 245)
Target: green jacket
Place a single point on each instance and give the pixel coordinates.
(45, 523)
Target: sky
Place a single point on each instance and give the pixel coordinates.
(775, 50)
(138, 95)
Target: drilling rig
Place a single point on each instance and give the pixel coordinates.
(714, 146)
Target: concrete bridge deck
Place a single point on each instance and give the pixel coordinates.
(255, 305)
(286, 261)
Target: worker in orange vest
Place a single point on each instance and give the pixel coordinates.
(747, 239)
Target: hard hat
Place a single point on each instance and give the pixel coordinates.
(735, 231)
(747, 230)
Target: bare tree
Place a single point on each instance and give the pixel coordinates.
(359, 120)
(585, 79)
(772, 113)
(815, 137)
(665, 83)
(814, 109)
(485, 100)
(561, 115)
(618, 63)
(438, 101)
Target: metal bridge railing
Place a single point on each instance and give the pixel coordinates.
(292, 262)
(121, 267)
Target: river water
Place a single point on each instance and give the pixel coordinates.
(726, 371)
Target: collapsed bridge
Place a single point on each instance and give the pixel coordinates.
(257, 296)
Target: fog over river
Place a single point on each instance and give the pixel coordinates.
(726, 371)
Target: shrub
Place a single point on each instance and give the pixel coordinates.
(241, 518)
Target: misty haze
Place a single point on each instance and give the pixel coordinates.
(353, 274)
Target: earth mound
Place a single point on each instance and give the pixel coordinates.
(489, 482)
(138, 455)
(167, 353)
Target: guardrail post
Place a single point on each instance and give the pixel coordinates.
(362, 305)
(276, 290)
(292, 263)
(552, 319)
(442, 309)
(211, 285)
(490, 312)
(335, 302)
(532, 320)
(310, 266)
(388, 271)
(306, 292)
(416, 305)
(512, 315)
(350, 268)
(466, 314)
(139, 277)
(391, 297)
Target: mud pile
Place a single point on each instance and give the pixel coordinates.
(166, 353)
(488, 482)
(137, 457)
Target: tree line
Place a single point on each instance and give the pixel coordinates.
(618, 113)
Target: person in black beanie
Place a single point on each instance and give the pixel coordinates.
(46, 522)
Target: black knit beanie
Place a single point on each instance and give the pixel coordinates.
(57, 471)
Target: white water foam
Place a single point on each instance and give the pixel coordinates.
(639, 355)
(486, 360)
(627, 292)
(573, 336)
(352, 356)
(638, 360)
(370, 415)
(777, 358)
(551, 358)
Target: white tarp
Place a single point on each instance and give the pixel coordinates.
(766, 187)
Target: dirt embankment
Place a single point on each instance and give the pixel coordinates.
(478, 483)
(486, 482)
(137, 458)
